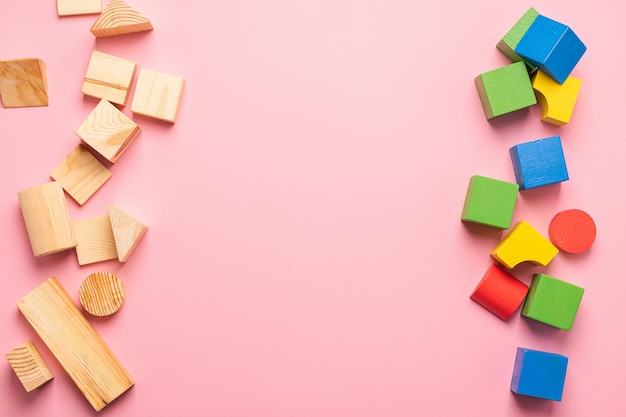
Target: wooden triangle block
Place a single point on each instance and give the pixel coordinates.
(118, 18)
(127, 232)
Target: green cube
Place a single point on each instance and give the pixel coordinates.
(552, 301)
(511, 39)
(490, 202)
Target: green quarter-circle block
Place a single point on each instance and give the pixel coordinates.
(490, 202)
(552, 301)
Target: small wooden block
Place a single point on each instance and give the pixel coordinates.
(538, 163)
(489, 202)
(556, 100)
(118, 18)
(505, 90)
(102, 294)
(47, 219)
(78, 7)
(109, 77)
(97, 373)
(539, 374)
(157, 95)
(108, 131)
(23, 83)
(29, 366)
(552, 301)
(500, 292)
(95, 242)
(127, 231)
(524, 243)
(572, 231)
(511, 39)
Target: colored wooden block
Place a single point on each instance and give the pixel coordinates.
(505, 90)
(523, 243)
(108, 131)
(538, 163)
(552, 301)
(78, 7)
(102, 294)
(108, 77)
(118, 18)
(572, 231)
(556, 100)
(127, 231)
(157, 95)
(29, 366)
(23, 82)
(47, 219)
(551, 46)
(77, 346)
(95, 241)
(500, 292)
(539, 374)
(509, 41)
(489, 202)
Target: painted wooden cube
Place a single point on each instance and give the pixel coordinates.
(490, 202)
(539, 374)
(509, 41)
(538, 163)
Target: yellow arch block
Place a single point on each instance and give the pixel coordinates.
(556, 100)
(524, 243)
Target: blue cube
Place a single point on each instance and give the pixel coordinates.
(540, 162)
(539, 374)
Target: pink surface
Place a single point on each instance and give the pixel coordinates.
(305, 255)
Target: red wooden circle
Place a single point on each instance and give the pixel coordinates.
(572, 231)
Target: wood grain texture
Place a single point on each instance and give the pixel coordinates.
(78, 7)
(510, 40)
(539, 374)
(158, 95)
(23, 82)
(102, 293)
(118, 18)
(95, 242)
(109, 77)
(523, 243)
(127, 231)
(572, 231)
(489, 202)
(538, 163)
(29, 366)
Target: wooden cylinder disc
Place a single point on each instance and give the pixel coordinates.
(572, 231)
(102, 293)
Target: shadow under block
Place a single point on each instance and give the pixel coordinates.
(489, 202)
(23, 82)
(77, 346)
(102, 294)
(108, 131)
(552, 47)
(77, 7)
(500, 292)
(47, 219)
(552, 301)
(29, 366)
(108, 77)
(523, 243)
(157, 95)
(118, 18)
(556, 100)
(510, 40)
(538, 163)
(95, 242)
(539, 374)
(505, 90)
(572, 231)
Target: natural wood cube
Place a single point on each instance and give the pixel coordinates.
(95, 241)
(23, 82)
(29, 366)
(157, 95)
(109, 77)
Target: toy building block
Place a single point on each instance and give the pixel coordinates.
(81, 174)
(95, 242)
(500, 292)
(508, 43)
(77, 346)
(556, 100)
(102, 294)
(118, 18)
(108, 131)
(489, 202)
(572, 231)
(23, 82)
(78, 7)
(157, 95)
(538, 163)
(108, 77)
(29, 366)
(505, 90)
(47, 219)
(552, 301)
(523, 243)
(539, 374)
(127, 231)
(552, 47)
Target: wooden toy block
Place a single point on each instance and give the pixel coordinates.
(108, 77)
(489, 202)
(552, 47)
(552, 301)
(572, 231)
(505, 90)
(127, 231)
(510, 40)
(47, 219)
(102, 294)
(108, 131)
(539, 374)
(538, 163)
(118, 18)
(95, 242)
(78, 7)
(523, 243)
(500, 292)
(77, 346)
(81, 174)
(29, 366)
(157, 95)
(556, 100)
(23, 82)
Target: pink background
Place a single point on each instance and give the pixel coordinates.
(305, 255)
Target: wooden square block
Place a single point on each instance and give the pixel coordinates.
(157, 95)
(510, 40)
(523, 243)
(505, 90)
(500, 292)
(109, 77)
(539, 374)
(29, 366)
(23, 82)
(489, 202)
(552, 301)
(538, 163)
(95, 241)
(77, 7)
